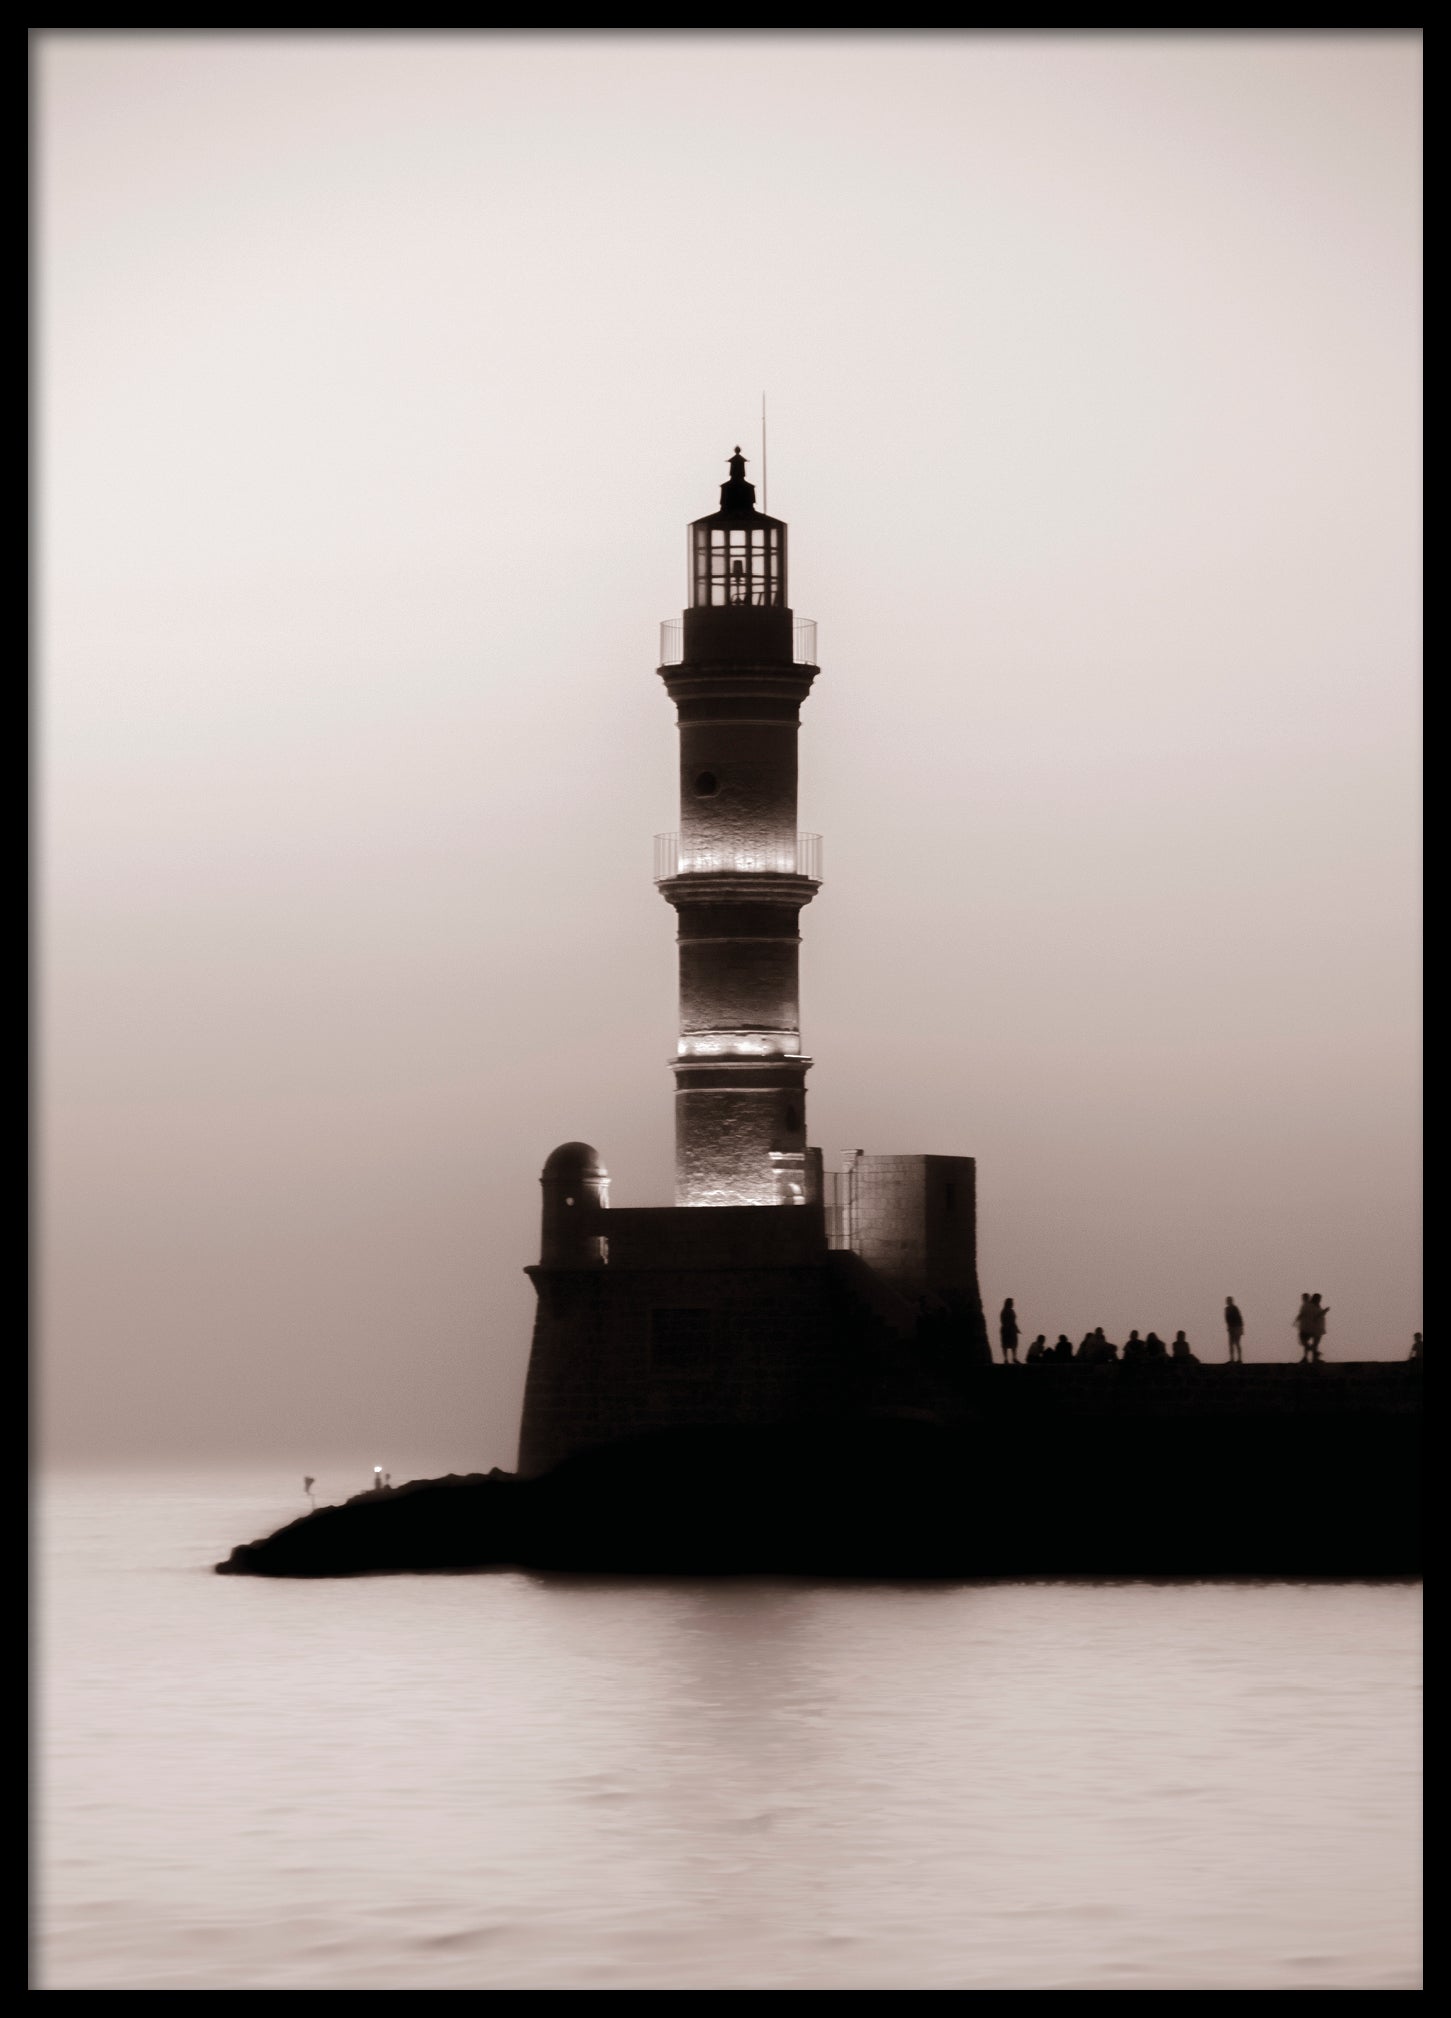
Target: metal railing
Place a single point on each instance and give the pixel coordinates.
(804, 859)
(839, 1204)
(672, 641)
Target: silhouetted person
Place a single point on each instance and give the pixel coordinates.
(1234, 1327)
(307, 1486)
(1133, 1347)
(1085, 1348)
(1181, 1349)
(1008, 1333)
(1039, 1350)
(1154, 1347)
(1107, 1350)
(1064, 1347)
(1415, 1351)
(1318, 1313)
(1305, 1326)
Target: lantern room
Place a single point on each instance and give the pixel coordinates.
(738, 555)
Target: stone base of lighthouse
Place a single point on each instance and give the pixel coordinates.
(752, 1316)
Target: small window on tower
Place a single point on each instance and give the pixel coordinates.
(707, 784)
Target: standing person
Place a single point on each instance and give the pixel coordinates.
(1305, 1326)
(1234, 1327)
(1008, 1333)
(1318, 1313)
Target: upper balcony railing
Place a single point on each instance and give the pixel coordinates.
(803, 641)
(784, 860)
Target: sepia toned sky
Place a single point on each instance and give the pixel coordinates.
(377, 378)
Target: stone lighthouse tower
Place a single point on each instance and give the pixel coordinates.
(738, 873)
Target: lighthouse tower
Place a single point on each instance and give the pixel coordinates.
(793, 1300)
(738, 873)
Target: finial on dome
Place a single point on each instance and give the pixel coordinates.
(736, 494)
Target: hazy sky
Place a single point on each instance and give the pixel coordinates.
(378, 378)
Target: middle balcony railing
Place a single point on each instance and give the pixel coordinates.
(801, 859)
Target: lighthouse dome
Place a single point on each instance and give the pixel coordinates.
(574, 1159)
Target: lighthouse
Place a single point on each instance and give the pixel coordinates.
(738, 873)
(770, 1292)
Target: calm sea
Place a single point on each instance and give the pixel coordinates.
(521, 1782)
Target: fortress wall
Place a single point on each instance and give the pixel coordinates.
(725, 1236)
(624, 1352)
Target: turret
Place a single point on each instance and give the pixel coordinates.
(576, 1191)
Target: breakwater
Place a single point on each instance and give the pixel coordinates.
(1179, 1471)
